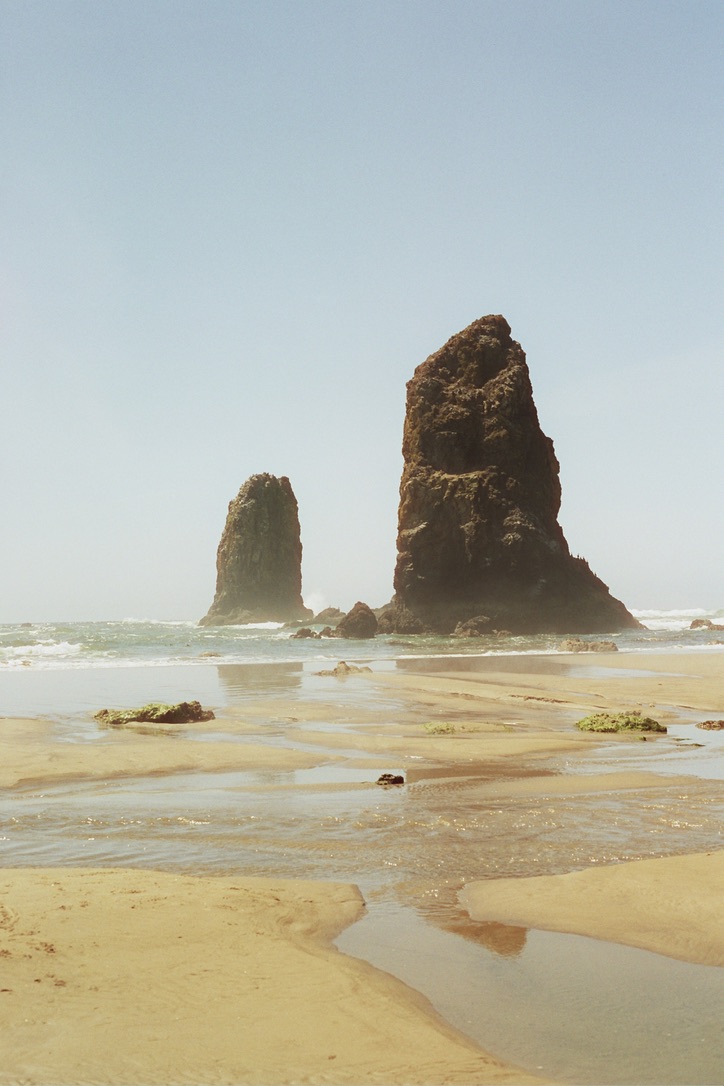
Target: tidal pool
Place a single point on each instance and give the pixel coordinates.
(575, 1009)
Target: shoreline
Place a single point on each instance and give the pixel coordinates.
(501, 732)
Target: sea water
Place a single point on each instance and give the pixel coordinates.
(409, 849)
(145, 643)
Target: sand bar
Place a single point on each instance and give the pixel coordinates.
(117, 976)
(670, 905)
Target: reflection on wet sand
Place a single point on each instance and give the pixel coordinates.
(241, 681)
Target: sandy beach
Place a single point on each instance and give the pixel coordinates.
(122, 973)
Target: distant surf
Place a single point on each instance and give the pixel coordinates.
(147, 642)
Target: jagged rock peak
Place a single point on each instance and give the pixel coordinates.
(478, 533)
(259, 560)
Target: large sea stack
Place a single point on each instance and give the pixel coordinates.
(478, 534)
(259, 560)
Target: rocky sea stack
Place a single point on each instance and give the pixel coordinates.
(478, 534)
(259, 560)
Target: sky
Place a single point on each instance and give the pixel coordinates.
(230, 231)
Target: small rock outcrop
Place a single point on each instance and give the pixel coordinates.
(360, 623)
(259, 560)
(705, 624)
(478, 533)
(328, 616)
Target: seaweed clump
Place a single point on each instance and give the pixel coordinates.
(185, 712)
(620, 722)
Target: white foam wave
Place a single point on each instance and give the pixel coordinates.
(679, 618)
(46, 648)
(107, 661)
(157, 622)
(261, 626)
(39, 654)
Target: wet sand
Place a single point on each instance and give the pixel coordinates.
(149, 977)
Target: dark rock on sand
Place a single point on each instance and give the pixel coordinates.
(479, 499)
(711, 725)
(387, 779)
(359, 623)
(184, 712)
(259, 560)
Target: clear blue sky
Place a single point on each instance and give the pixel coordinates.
(229, 231)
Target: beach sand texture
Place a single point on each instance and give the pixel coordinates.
(127, 976)
(143, 977)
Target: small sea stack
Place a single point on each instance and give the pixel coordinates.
(259, 559)
(478, 533)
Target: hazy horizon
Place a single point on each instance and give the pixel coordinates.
(231, 231)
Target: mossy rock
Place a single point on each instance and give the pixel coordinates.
(620, 722)
(184, 712)
(439, 727)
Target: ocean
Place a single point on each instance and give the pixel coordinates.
(61, 668)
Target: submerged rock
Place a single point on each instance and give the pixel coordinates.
(184, 712)
(479, 498)
(259, 560)
(343, 669)
(576, 644)
(474, 627)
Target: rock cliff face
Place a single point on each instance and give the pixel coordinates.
(478, 535)
(259, 560)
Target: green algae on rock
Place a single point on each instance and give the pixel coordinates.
(184, 712)
(620, 722)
